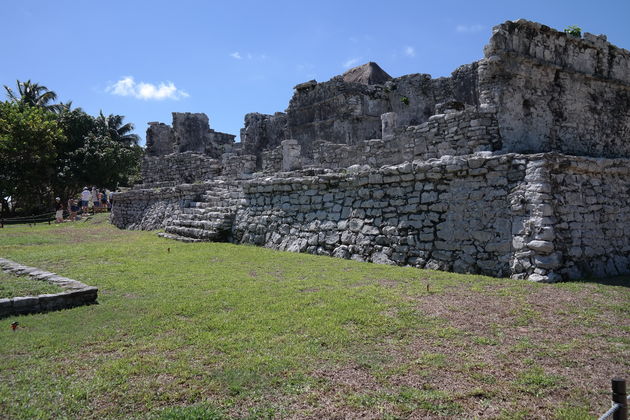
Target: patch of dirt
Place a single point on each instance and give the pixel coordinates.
(497, 335)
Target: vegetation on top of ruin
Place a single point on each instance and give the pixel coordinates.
(573, 30)
(214, 330)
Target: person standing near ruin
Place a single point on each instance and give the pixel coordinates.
(85, 199)
(58, 210)
(95, 200)
(103, 198)
(73, 208)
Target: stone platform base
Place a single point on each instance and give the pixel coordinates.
(76, 293)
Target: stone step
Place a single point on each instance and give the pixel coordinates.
(210, 218)
(209, 212)
(209, 204)
(177, 237)
(200, 234)
(221, 196)
(203, 224)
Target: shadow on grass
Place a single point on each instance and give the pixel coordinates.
(623, 281)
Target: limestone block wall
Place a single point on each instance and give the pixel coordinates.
(450, 214)
(336, 111)
(263, 132)
(454, 133)
(544, 217)
(160, 139)
(556, 92)
(182, 168)
(236, 166)
(190, 132)
(591, 209)
(148, 209)
(375, 152)
(272, 160)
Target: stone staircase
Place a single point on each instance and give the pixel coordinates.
(210, 218)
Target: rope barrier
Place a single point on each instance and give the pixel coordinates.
(40, 218)
(36, 216)
(610, 412)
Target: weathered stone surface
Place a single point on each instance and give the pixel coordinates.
(190, 133)
(366, 74)
(291, 152)
(556, 92)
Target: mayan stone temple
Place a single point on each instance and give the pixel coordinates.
(516, 165)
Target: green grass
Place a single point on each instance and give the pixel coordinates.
(536, 381)
(12, 286)
(220, 331)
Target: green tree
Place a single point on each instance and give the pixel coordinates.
(51, 149)
(99, 151)
(113, 126)
(70, 176)
(34, 94)
(29, 137)
(105, 162)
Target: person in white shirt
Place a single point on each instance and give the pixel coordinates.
(95, 200)
(85, 199)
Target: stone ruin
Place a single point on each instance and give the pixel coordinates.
(516, 165)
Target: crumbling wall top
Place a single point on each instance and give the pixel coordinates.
(591, 55)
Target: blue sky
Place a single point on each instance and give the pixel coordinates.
(145, 59)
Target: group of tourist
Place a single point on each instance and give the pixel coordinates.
(94, 201)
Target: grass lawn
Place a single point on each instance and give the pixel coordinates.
(217, 331)
(12, 286)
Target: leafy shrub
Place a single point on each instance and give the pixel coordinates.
(573, 30)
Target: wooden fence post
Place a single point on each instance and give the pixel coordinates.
(620, 396)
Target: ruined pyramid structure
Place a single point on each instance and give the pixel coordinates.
(515, 165)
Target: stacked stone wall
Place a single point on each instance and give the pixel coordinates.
(148, 209)
(263, 132)
(449, 214)
(237, 166)
(454, 133)
(272, 160)
(544, 217)
(592, 215)
(179, 168)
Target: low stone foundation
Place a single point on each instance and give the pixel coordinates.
(499, 215)
(77, 293)
(544, 217)
(152, 208)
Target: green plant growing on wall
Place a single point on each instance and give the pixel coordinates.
(573, 30)
(404, 100)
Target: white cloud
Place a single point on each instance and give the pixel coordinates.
(249, 56)
(127, 86)
(351, 62)
(469, 28)
(410, 51)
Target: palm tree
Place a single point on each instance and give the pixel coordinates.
(34, 94)
(113, 126)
